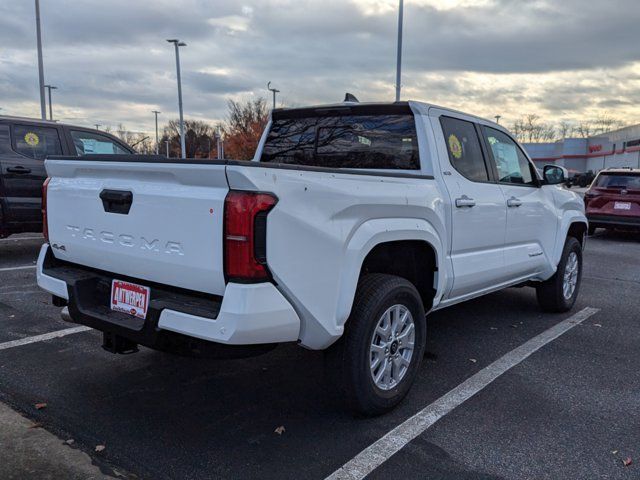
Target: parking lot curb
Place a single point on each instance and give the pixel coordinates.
(27, 450)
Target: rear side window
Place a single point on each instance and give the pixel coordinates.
(36, 142)
(88, 143)
(350, 141)
(619, 180)
(463, 146)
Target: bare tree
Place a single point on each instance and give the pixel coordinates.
(531, 129)
(140, 141)
(584, 129)
(565, 129)
(200, 140)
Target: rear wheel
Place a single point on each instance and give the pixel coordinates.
(559, 293)
(374, 364)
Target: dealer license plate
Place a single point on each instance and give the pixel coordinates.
(130, 298)
(622, 206)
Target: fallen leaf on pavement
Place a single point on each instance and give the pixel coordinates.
(597, 325)
(614, 452)
(100, 448)
(35, 425)
(279, 430)
(71, 441)
(40, 406)
(627, 461)
(473, 360)
(11, 316)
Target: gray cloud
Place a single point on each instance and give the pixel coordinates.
(111, 62)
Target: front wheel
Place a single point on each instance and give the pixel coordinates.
(559, 293)
(374, 364)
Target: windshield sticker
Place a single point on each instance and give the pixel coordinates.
(32, 139)
(455, 146)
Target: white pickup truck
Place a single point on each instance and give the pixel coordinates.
(350, 224)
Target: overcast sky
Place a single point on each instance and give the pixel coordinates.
(561, 59)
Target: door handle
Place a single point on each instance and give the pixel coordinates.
(465, 201)
(514, 202)
(18, 169)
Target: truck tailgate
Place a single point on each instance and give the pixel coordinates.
(171, 234)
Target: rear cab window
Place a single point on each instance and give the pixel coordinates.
(618, 180)
(355, 138)
(35, 141)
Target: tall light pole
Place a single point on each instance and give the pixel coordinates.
(399, 54)
(157, 144)
(274, 91)
(43, 107)
(498, 117)
(177, 44)
(97, 126)
(50, 87)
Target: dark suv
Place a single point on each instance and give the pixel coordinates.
(24, 143)
(613, 200)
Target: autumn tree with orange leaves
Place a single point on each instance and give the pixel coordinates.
(243, 128)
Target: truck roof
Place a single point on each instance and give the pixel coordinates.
(40, 121)
(414, 104)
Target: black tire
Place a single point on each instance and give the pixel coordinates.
(550, 293)
(591, 230)
(348, 360)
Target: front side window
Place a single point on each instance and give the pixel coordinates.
(511, 163)
(36, 142)
(347, 141)
(87, 143)
(463, 146)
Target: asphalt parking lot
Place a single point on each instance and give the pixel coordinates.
(570, 410)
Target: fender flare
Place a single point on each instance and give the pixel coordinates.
(372, 233)
(569, 217)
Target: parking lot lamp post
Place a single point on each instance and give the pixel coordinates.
(50, 87)
(274, 91)
(157, 142)
(43, 108)
(399, 54)
(177, 44)
(167, 144)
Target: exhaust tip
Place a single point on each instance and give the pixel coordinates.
(66, 316)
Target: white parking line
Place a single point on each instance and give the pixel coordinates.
(379, 452)
(43, 337)
(24, 267)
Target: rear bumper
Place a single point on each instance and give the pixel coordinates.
(596, 220)
(245, 315)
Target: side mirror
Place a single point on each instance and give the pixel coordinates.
(554, 175)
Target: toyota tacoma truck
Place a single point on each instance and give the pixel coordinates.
(352, 222)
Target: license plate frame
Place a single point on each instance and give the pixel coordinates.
(622, 206)
(130, 298)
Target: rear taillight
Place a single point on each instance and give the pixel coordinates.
(45, 226)
(245, 235)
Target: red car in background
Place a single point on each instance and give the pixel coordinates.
(613, 200)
